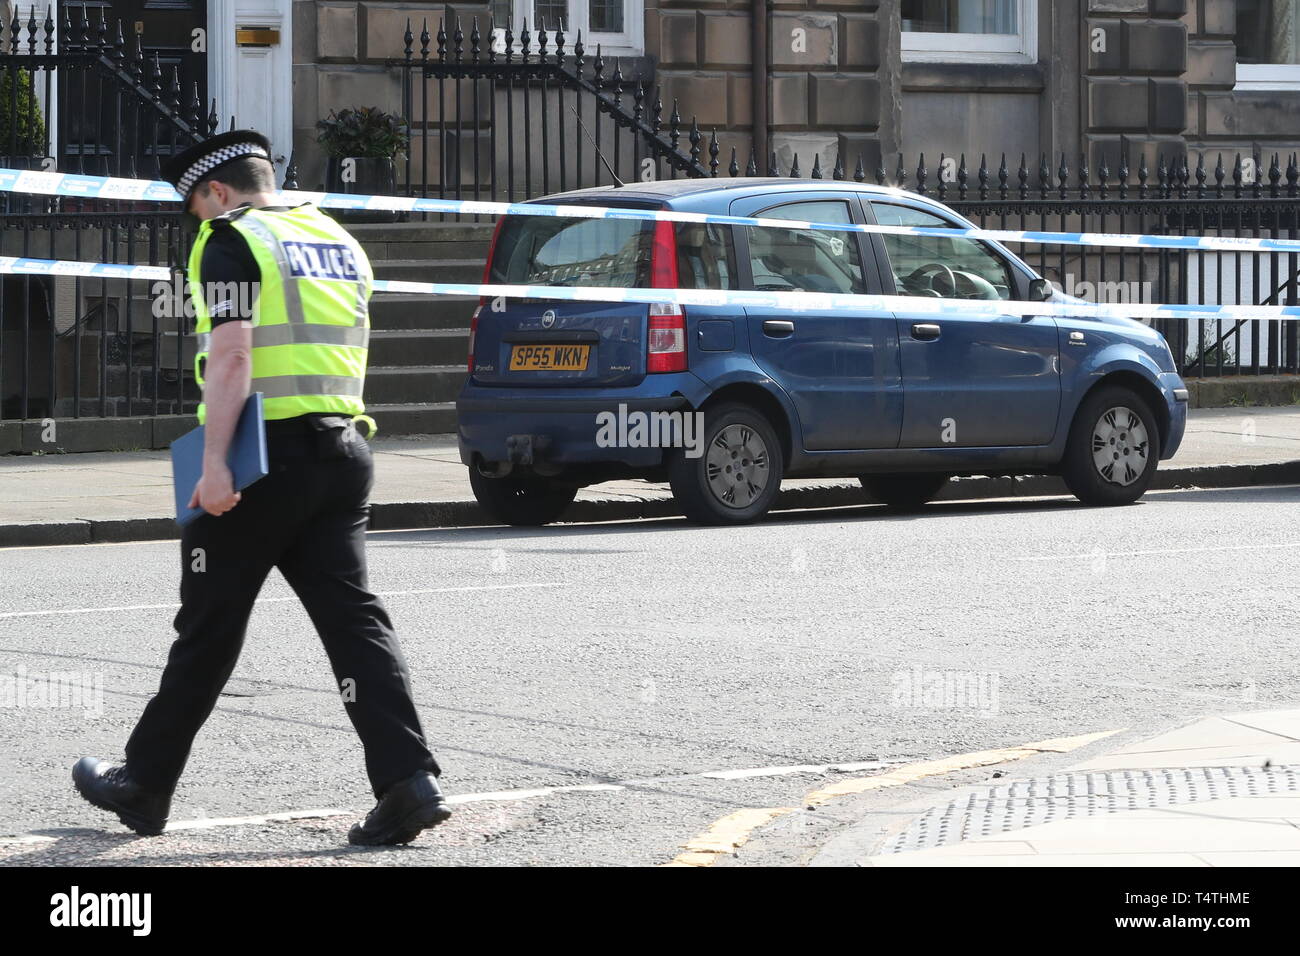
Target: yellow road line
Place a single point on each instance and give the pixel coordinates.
(735, 829)
(725, 836)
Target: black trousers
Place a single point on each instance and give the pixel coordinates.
(308, 518)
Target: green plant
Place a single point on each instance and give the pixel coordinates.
(1212, 357)
(364, 131)
(22, 127)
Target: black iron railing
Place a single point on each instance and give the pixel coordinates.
(510, 118)
(80, 100)
(1251, 197)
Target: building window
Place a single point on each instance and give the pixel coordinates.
(1268, 44)
(616, 25)
(970, 31)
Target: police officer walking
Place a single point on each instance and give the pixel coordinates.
(305, 351)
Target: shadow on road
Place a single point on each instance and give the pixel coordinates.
(935, 511)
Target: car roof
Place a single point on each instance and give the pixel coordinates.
(705, 195)
(668, 190)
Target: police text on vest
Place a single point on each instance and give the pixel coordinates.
(321, 260)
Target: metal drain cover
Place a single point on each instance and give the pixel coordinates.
(1068, 796)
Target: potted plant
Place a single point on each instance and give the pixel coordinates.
(362, 146)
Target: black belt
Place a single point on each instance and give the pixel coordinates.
(304, 424)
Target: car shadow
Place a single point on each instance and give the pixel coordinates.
(936, 510)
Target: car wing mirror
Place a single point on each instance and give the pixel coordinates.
(1040, 290)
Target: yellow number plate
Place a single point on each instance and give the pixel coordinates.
(562, 358)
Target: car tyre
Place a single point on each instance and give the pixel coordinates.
(737, 477)
(903, 492)
(521, 500)
(1113, 448)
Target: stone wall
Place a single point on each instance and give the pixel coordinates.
(831, 90)
(1133, 83)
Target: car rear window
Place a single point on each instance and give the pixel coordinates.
(541, 250)
(609, 253)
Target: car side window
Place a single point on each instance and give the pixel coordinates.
(808, 260)
(941, 268)
(706, 258)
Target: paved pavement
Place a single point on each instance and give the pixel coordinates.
(420, 482)
(1221, 791)
(632, 693)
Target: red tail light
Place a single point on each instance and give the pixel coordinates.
(666, 341)
(483, 300)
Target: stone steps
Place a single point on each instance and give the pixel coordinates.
(419, 343)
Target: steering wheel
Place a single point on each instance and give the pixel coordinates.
(935, 267)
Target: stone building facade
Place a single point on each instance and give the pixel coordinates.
(867, 78)
(874, 79)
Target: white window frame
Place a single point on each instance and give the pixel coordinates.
(631, 42)
(1268, 76)
(977, 47)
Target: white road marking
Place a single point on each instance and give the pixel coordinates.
(1134, 554)
(209, 823)
(274, 600)
(528, 793)
(505, 796)
(512, 796)
(812, 768)
(748, 773)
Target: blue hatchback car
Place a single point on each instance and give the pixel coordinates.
(724, 402)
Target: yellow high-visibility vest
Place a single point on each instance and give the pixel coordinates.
(310, 316)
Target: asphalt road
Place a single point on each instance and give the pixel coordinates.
(644, 655)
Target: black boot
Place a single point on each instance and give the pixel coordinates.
(110, 787)
(405, 809)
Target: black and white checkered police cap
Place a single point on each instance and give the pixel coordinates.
(185, 169)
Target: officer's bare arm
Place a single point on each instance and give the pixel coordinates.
(225, 387)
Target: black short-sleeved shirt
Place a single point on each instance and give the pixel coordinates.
(226, 260)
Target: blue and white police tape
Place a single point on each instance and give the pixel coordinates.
(804, 302)
(21, 265)
(791, 301)
(105, 187)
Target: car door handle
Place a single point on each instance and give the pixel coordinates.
(778, 328)
(925, 331)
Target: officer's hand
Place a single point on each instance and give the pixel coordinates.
(215, 493)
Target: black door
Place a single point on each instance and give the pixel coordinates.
(106, 127)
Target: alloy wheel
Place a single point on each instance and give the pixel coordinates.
(1120, 445)
(737, 466)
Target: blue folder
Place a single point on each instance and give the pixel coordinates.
(247, 458)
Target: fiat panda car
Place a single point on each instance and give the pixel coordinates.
(725, 401)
